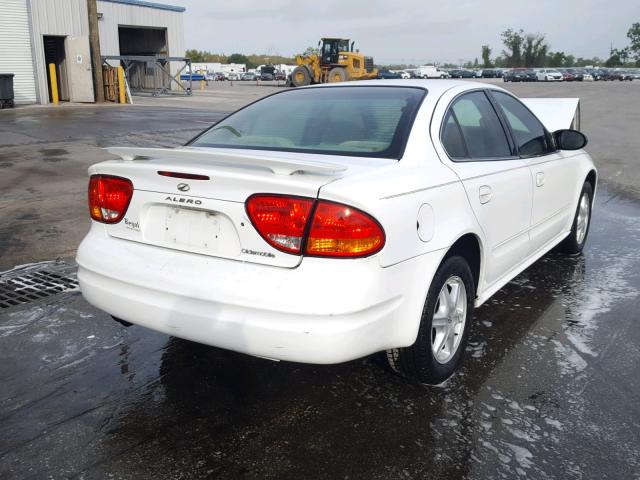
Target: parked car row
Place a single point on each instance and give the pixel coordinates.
(240, 76)
(569, 74)
(508, 75)
(520, 74)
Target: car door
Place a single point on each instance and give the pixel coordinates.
(498, 184)
(552, 171)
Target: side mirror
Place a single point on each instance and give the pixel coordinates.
(569, 139)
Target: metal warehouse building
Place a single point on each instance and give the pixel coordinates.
(36, 33)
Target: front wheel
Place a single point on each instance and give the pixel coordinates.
(442, 337)
(574, 243)
(300, 76)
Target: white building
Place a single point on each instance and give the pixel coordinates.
(35, 33)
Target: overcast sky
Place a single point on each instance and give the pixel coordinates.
(406, 31)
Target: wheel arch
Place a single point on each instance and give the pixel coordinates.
(469, 247)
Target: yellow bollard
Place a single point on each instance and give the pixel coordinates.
(53, 78)
(201, 84)
(121, 94)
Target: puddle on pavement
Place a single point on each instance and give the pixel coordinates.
(549, 389)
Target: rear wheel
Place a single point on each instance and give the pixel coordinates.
(338, 74)
(438, 350)
(300, 77)
(574, 243)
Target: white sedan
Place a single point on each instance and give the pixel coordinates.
(327, 223)
(548, 75)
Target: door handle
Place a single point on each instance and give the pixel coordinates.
(540, 179)
(485, 194)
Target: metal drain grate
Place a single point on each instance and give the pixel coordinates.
(35, 282)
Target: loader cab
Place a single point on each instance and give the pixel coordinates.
(331, 48)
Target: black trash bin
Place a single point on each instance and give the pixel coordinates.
(6, 90)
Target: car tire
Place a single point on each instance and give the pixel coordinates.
(300, 77)
(337, 75)
(420, 362)
(574, 243)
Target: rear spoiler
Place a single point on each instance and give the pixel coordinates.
(225, 158)
(556, 113)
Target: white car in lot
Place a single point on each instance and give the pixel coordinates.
(548, 75)
(327, 223)
(431, 71)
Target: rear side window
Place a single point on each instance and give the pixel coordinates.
(355, 121)
(531, 137)
(452, 138)
(480, 127)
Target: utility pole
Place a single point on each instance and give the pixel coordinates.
(94, 47)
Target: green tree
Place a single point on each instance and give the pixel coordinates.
(528, 50)
(237, 58)
(534, 50)
(512, 41)
(311, 51)
(194, 55)
(203, 56)
(486, 56)
(500, 62)
(617, 58)
(634, 36)
(556, 59)
(569, 61)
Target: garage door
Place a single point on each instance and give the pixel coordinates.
(15, 49)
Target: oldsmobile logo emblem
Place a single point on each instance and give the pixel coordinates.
(184, 187)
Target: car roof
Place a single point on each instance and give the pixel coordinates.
(434, 86)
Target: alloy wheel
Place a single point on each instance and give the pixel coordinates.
(449, 318)
(583, 218)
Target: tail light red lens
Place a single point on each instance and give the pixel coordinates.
(342, 231)
(109, 197)
(334, 229)
(281, 220)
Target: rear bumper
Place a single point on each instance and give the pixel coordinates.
(323, 311)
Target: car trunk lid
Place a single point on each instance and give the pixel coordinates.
(207, 215)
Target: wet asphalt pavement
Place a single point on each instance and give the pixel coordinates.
(549, 389)
(44, 157)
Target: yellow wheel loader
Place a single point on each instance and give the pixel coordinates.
(337, 62)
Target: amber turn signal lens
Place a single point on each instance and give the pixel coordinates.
(339, 230)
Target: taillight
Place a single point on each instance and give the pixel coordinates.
(109, 197)
(342, 231)
(334, 229)
(280, 220)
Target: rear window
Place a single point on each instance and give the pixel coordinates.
(354, 121)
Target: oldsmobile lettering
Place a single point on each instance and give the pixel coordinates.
(260, 254)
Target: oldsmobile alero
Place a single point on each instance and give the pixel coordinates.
(327, 223)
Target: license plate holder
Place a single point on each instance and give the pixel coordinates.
(188, 227)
